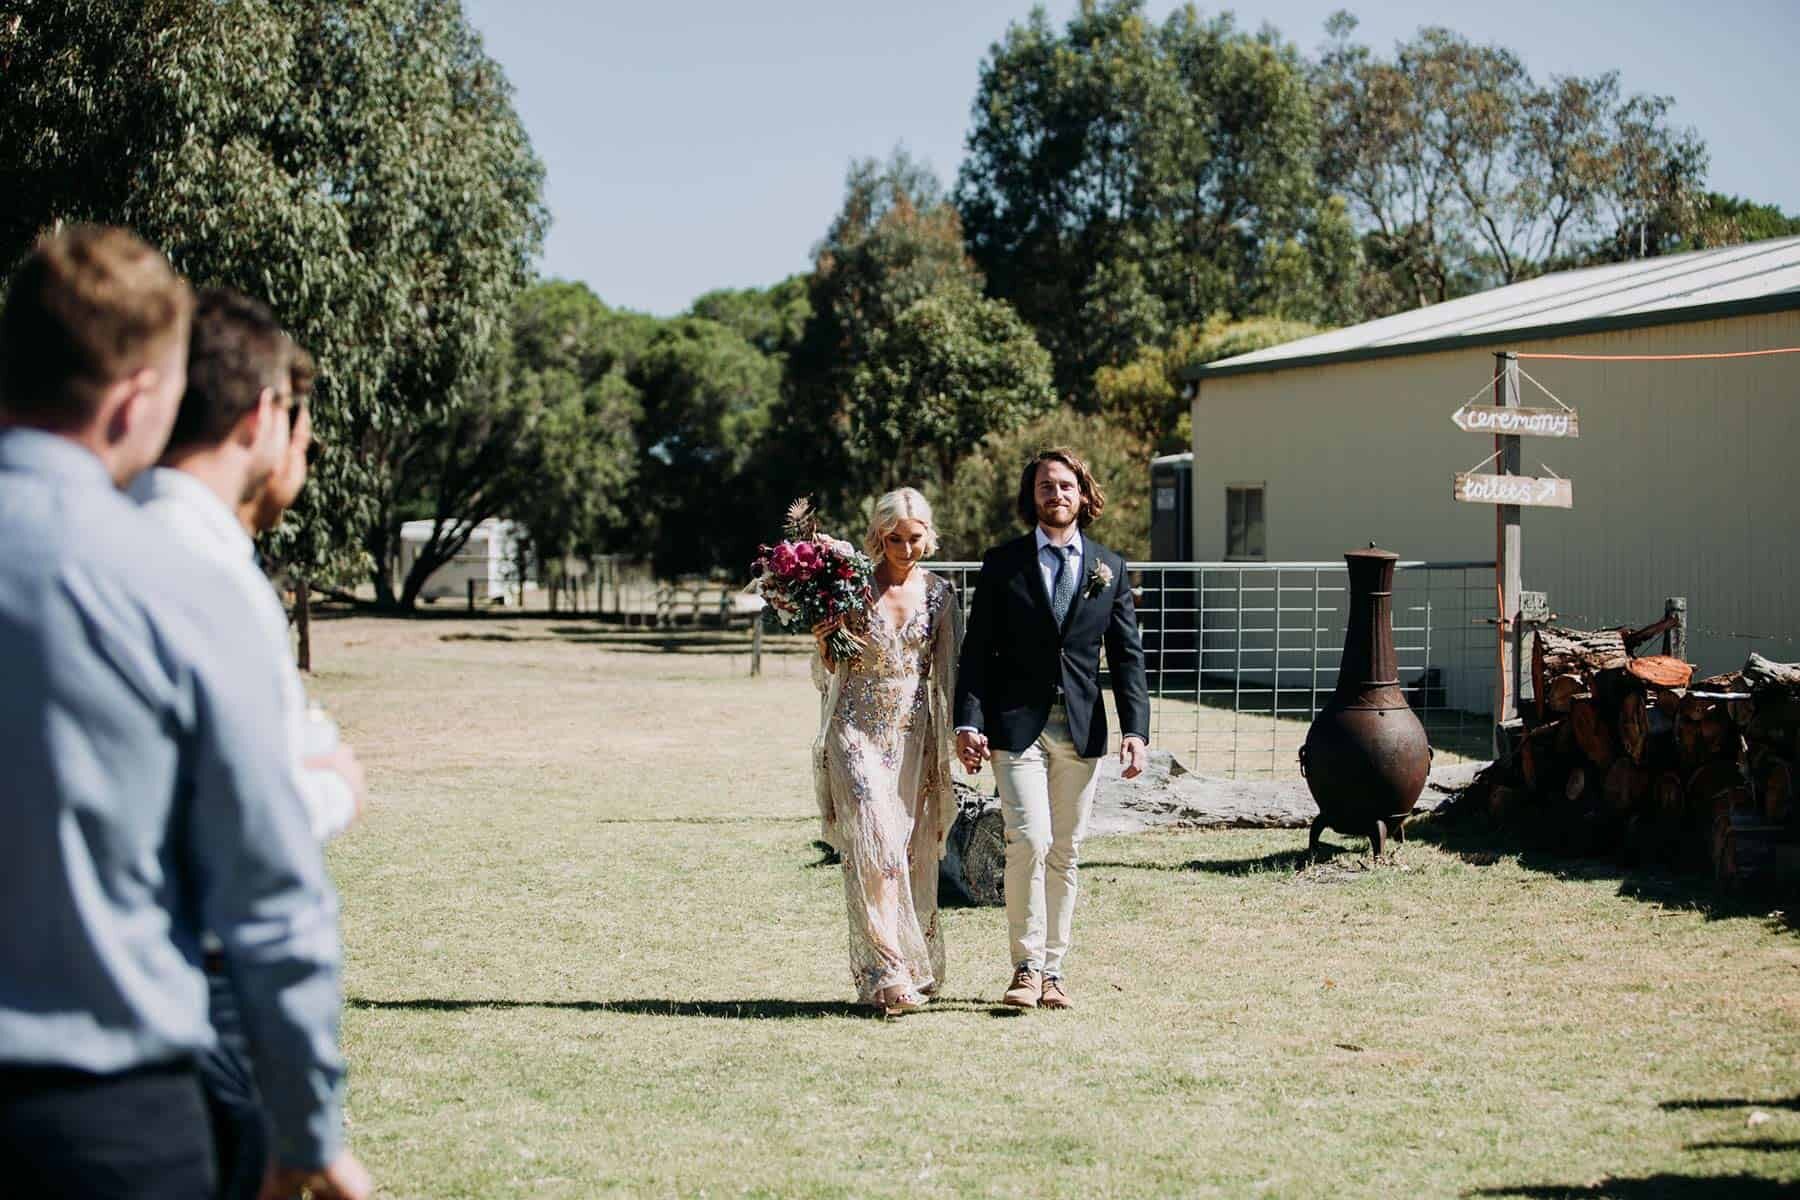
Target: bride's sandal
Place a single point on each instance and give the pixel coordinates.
(904, 1001)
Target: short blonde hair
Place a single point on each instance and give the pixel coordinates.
(901, 504)
(89, 305)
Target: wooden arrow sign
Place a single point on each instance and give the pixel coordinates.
(1528, 422)
(1525, 490)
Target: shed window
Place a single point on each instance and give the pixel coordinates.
(1244, 536)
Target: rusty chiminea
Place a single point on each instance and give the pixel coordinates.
(1366, 756)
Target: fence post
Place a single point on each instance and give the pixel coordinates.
(1675, 638)
(756, 639)
(303, 622)
(471, 595)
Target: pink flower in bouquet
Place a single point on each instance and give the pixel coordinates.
(782, 560)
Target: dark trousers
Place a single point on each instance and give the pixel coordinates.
(141, 1135)
(239, 1127)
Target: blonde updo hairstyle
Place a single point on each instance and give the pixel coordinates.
(902, 504)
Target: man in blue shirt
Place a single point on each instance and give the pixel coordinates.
(148, 795)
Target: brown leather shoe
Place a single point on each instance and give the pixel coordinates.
(1027, 986)
(1054, 995)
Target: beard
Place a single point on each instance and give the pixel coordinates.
(1058, 518)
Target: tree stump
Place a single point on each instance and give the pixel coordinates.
(974, 864)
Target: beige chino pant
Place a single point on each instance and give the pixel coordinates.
(1046, 793)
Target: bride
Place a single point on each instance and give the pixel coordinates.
(882, 760)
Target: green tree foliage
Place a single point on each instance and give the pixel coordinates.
(894, 242)
(359, 166)
(1147, 397)
(1124, 179)
(708, 397)
(547, 437)
(951, 368)
(1729, 220)
(772, 319)
(979, 509)
(1467, 173)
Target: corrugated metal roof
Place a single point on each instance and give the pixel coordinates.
(1701, 285)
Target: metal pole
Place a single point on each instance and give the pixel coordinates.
(1508, 553)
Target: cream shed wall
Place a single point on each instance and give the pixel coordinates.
(1683, 475)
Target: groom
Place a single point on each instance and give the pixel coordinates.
(1028, 695)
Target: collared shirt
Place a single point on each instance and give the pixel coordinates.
(194, 514)
(141, 804)
(1048, 552)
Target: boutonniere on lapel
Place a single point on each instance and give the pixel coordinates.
(1098, 580)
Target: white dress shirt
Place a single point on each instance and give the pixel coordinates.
(188, 509)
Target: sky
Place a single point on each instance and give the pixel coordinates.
(703, 144)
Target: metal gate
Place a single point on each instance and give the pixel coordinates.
(1240, 656)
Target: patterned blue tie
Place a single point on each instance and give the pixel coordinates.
(1064, 595)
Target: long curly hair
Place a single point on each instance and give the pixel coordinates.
(1093, 499)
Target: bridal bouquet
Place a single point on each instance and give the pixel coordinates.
(812, 580)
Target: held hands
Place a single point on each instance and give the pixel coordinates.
(971, 750)
(1134, 756)
(342, 1179)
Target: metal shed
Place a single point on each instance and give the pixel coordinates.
(1683, 474)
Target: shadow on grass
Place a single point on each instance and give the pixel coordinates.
(673, 642)
(1758, 1145)
(1791, 1103)
(718, 1010)
(1290, 861)
(1653, 1187)
(1472, 838)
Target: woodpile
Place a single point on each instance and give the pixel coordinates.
(1626, 754)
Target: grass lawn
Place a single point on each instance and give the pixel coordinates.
(590, 952)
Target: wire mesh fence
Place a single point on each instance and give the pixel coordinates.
(1240, 656)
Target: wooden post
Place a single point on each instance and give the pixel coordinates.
(756, 637)
(1675, 640)
(471, 595)
(303, 622)
(1507, 554)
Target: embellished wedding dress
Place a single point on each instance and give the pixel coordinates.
(881, 769)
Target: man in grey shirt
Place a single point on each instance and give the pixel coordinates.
(148, 796)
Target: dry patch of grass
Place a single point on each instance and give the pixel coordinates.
(590, 953)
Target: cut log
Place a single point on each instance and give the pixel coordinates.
(1668, 700)
(1717, 734)
(1634, 727)
(1593, 734)
(1709, 783)
(974, 864)
(1563, 689)
(1504, 803)
(1774, 783)
(1540, 759)
(1627, 788)
(1582, 788)
(1762, 675)
(1559, 651)
(1669, 795)
(1661, 670)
